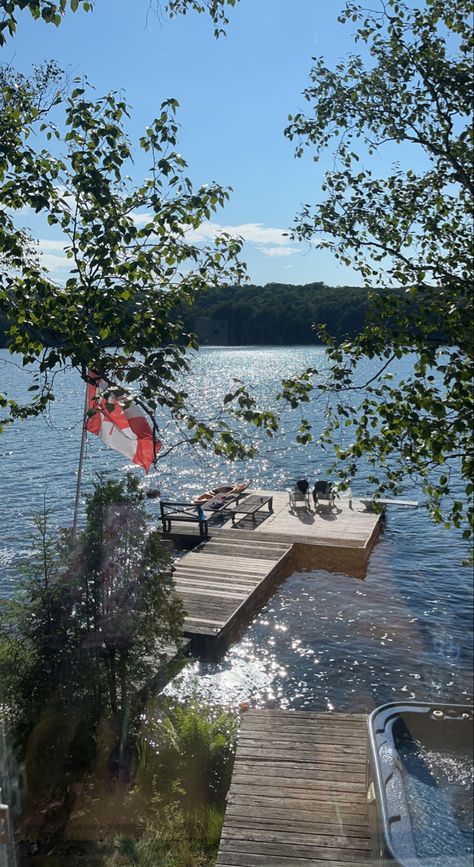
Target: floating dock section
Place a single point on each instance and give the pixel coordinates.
(298, 792)
(226, 577)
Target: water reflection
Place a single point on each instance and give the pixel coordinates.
(323, 641)
(332, 642)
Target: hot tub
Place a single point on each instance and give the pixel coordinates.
(419, 785)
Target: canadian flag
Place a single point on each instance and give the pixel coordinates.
(124, 428)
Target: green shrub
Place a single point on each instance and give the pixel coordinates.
(86, 626)
(175, 839)
(184, 768)
(192, 747)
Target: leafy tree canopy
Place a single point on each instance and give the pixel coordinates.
(412, 88)
(276, 314)
(217, 9)
(44, 10)
(133, 263)
(53, 12)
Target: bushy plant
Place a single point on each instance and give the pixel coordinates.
(40, 658)
(87, 626)
(174, 839)
(77, 645)
(184, 768)
(124, 590)
(192, 746)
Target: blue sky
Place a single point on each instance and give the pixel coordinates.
(235, 95)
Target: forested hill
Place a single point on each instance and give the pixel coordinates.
(276, 313)
(272, 314)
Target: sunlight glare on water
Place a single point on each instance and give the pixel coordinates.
(323, 641)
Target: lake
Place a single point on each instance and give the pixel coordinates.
(323, 641)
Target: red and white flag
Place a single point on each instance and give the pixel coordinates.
(124, 428)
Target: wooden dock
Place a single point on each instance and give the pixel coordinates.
(226, 577)
(298, 792)
(349, 524)
(222, 580)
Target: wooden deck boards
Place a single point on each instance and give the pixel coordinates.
(222, 580)
(349, 524)
(297, 795)
(219, 578)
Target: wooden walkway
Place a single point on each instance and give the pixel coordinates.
(298, 792)
(223, 578)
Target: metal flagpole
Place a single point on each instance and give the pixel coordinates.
(79, 470)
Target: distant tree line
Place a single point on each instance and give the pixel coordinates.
(276, 313)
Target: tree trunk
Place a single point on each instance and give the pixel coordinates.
(113, 682)
(123, 678)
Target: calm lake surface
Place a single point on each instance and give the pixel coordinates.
(323, 641)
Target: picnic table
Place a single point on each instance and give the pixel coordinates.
(220, 502)
(251, 505)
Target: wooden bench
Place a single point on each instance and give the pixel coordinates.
(203, 525)
(172, 512)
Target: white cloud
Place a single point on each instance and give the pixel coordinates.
(23, 211)
(270, 241)
(45, 245)
(55, 263)
(279, 251)
(142, 219)
(251, 233)
(52, 254)
(254, 233)
(257, 233)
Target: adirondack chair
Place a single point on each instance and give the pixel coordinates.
(324, 495)
(299, 496)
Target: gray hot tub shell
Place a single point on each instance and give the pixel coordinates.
(439, 727)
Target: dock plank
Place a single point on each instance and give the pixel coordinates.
(214, 585)
(297, 805)
(290, 838)
(326, 827)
